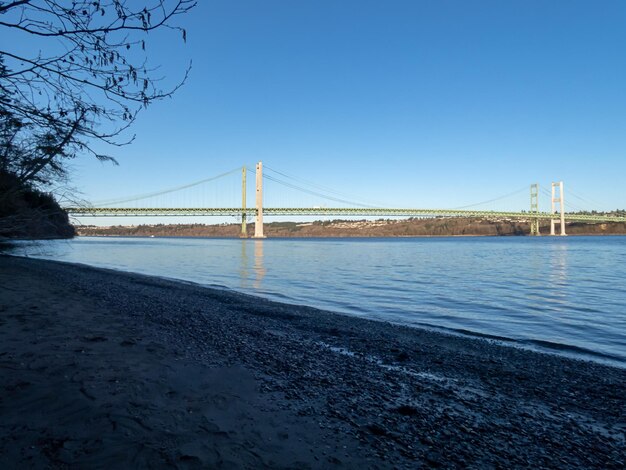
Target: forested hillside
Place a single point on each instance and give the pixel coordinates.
(451, 226)
(26, 212)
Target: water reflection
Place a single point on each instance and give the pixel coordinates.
(536, 276)
(259, 268)
(558, 273)
(567, 290)
(243, 266)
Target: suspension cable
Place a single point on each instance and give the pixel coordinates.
(321, 187)
(493, 200)
(314, 193)
(165, 191)
(569, 203)
(587, 201)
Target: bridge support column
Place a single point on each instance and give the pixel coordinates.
(244, 227)
(534, 209)
(258, 221)
(561, 201)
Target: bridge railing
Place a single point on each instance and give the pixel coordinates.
(328, 211)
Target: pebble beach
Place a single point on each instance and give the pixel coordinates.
(107, 369)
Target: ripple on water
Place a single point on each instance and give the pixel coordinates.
(564, 294)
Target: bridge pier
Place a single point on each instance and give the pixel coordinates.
(244, 227)
(561, 201)
(258, 221)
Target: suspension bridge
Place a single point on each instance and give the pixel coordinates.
(557, 215)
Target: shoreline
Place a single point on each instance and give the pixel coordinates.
(382, 395)
(530, 343)
(363, 237)
(566, 350)
(387, 228)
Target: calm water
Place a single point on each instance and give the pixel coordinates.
(561, 293)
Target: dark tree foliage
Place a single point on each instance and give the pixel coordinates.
(30, 212)
(84, 80)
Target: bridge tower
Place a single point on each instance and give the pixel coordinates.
(258, 222)
(244, 227)
(558, 187)
(534, 209)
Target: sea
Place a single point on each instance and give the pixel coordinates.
(565, 295)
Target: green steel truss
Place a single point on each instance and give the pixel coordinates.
(325, 211)
(534, 208)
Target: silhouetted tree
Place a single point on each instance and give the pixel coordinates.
(84, 81)
(73, 74)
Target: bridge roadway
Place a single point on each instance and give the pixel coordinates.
(326, 211)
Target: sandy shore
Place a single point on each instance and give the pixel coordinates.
(110, 370)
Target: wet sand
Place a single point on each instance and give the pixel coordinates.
(103, 369)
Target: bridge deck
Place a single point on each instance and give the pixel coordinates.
(326, 211)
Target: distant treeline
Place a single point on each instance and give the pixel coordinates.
(414, 227)
(615, 213)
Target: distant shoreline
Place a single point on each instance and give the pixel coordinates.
(406, 228)
(356, 237)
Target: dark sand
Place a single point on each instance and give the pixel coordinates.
(112, 370)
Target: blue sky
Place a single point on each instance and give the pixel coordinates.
(410, 103)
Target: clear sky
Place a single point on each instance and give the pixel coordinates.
(411, 103)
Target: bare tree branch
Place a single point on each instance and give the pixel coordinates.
(97, 71)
